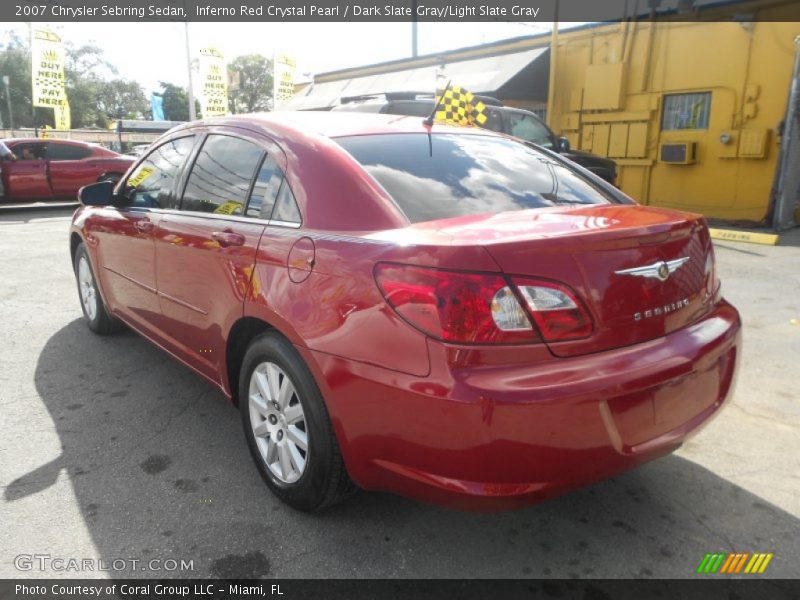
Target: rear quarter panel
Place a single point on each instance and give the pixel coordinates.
(337, 308)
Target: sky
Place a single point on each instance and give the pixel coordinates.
(153, 52)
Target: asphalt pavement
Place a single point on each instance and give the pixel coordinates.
(115, 455)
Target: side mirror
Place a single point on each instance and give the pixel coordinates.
(563, 144)
(97, 194)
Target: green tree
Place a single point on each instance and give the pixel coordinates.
(176, 102)
(254, 92)
(86, 72)
(87, 61)
(15, 62)
(121, 99)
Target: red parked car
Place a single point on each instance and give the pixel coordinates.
(52, 169)
(441, 312)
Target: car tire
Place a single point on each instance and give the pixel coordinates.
(97, 317)
(287, 427)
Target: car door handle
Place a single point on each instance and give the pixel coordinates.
(228, 238)
(145, 226)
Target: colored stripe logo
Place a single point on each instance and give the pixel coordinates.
(736, 562)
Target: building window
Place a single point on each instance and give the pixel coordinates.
(686, 111)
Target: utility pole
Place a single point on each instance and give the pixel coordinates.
(33, 106)
(192, 113)
(551, 87)
(7, 82)
(414, 35)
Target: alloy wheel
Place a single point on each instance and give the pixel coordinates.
(87, 288)
(278, 422)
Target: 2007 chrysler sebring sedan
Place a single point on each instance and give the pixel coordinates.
(440, 312)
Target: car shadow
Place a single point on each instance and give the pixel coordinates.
(160, 470)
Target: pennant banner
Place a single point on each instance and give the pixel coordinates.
(63, 117)
(214, 84)
(47, 75)
(157, 106)
(284, 67)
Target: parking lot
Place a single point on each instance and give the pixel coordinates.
(111, 450)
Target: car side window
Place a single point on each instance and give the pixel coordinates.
(413, 108)
(265, 190)
(151, 183)
(494, 120)
(286, 210)
(34, 151)
(221, 176)
(529, 129)
(56, 151)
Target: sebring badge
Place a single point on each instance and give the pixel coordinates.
(660, 270)
(661, 310)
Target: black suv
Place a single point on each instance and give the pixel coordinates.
(504, 119)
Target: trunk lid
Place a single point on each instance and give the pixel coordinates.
(597, 251)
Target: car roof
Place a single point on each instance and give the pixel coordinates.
(427, 97)
(333, 124)
(308, 137)
(32, 140)
(353, 104)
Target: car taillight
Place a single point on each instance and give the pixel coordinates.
(455, 306)
(477, 308)
(555, 309)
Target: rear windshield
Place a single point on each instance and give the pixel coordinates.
(451, 175)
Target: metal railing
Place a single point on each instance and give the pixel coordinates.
(100, 136)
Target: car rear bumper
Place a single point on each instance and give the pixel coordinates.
(504, 436)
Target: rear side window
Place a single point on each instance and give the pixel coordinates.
(494, 120)
(451, 175)
(56, 151)
(286, 210)
(412, 108)
(33, 151)
(265, 190)
(359, 106)
(151, 183)
(530, 129)
(221, 176)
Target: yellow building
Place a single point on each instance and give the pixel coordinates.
(690, 111)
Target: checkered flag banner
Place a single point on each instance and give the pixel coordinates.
(459, 106)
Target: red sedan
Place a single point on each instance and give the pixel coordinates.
(52, 169)
(441, 312)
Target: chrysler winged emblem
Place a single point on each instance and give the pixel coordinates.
(660, 270)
